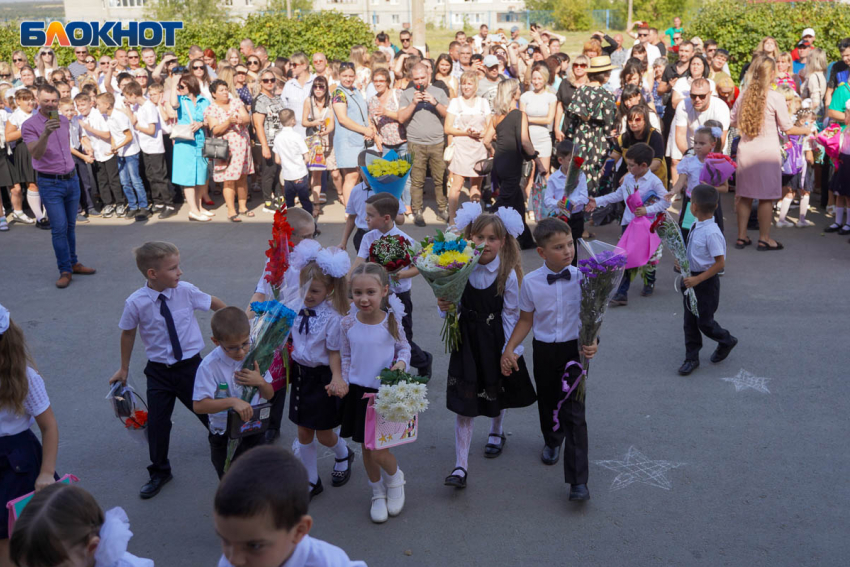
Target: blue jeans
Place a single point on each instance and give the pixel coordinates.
(298, 188)
(60, 198)
(131, 181)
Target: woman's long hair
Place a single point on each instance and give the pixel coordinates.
(760, 74)
(14, 359)
(505, 92)
(629, 137)
(509, 255)
(359, 55)
(39, 60)
(323, 81)
(205, 80)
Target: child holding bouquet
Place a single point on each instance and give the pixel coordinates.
(315, 354)
(380, 210)
(488, 312)
(371, 341)
(706, 255)
(355, 211)
(549, 304)
(556, 199)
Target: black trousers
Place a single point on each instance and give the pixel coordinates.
(576, 225)
(270, 179)
(109, 183)
(157, 174)
(165, 386)
(418, 357)
(708, 299)
(218, 449)
(550, 359)
(358, 238)
(87, 190)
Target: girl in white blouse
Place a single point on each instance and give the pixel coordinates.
(24, 464)
(315, 354)
(371, 341)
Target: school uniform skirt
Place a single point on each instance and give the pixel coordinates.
(22, 171)
(6, 179)
(309, 403)
(839, 183)
(20, 464)
(353, 416)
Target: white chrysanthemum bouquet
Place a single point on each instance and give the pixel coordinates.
(401, 396)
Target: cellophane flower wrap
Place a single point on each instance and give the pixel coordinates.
(278, 251)
(671, 236)
(401, 396)
(391, 251)
(717, 170)
(388, 173)
(446, 261)
(601, 272)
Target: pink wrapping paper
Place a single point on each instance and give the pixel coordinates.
(717, 171)
(637, 241)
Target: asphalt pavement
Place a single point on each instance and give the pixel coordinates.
(739, 464)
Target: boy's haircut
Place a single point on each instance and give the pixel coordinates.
(287, 117)
(81, 96)
(564, 148)
(108, 98)
(549, 227)
(155, 88)
(384, 203)
(66, 101)
(230, 323)
(299, 219)
(132, 88)
(150, 254)
(641, 154)
(89, 88)
(280, 489)
(704, 198)
(23, 94)
(123, 76)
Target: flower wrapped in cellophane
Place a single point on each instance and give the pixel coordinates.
(401, 396)
(446, 261)
(387, 173)
(278, 251)
(391, 251)
(671, 236)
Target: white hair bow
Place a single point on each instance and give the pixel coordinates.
(467, 214)
(304, 253)
(334, 262)
(512, 220)
(716, 132)
(396, 306)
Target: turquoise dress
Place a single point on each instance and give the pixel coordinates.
(347, 143)
(190, 166)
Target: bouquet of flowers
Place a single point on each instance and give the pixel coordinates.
(671, 236)
(401, 396)
(278, 252)
(717, 170)
(392, 252)
(446, 262)
(134, 417)
(385, 174)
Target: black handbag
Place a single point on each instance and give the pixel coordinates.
(483, 166)
(216, 148)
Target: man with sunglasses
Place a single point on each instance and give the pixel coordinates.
(321, 67)
(671, 74)
(78, 67)
(643, 36)
(406, 40)
(695, 111)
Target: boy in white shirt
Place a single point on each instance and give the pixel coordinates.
(263, 498)
(124, 144)
(223, 366)
(106, 162)
(380, 209)
(577, 199)
(82, 155)
(163, 312)
(549, 302)
(291, 154)
(707, 257)
(355, 210)
(654, 197)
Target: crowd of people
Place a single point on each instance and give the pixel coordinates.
(506, 116)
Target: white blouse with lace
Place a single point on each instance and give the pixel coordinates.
(368, 349)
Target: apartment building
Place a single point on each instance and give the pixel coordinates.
(452, 14)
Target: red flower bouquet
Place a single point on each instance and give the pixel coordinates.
(278, 252)
(139, 420)
(392, 252)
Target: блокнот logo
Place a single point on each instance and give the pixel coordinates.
(111, 34)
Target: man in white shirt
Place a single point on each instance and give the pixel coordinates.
(481, 38)
(297, 89)
(652, 52)
(290, 152)
(696, 111)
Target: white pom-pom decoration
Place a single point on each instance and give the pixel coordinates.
(512, 220)
(304, 253)
(467, 214)
(334, 262)
(396, 306)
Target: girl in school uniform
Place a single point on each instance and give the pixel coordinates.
(372, 340)
(315, 354)
(489, 311)
(23, 174)
(64, 526)
(24, 464)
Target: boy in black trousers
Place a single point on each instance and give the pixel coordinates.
(707, 257)
(549, 303)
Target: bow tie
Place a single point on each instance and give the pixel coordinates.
(305, 320)
(565, 275)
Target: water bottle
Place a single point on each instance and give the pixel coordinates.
(218, 421)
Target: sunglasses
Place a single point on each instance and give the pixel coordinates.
(197, 68)
(253, 62)
(319, 87)
(5, 76)
(181, 86)
(104, 62)
(90, 61)
(346, 65)
(643, 35)
(579, 65)
(47, 53)
(18, 59)
(267, 80)
(695, 96)
(132, 57)
(83, 52)
(636, 120)
(405, 40)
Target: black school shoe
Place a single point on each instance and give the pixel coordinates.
(153, 486)
(316, 489)
(491, 451)
(579, 492)
(688, 366)
(341, 477)
(426, 370)
(723, 351)
(455, 479)
(550, 455)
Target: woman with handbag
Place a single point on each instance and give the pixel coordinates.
(467, 118)
(228, 121)
(266, 119)
(352, 130)
(188, 137)
(319, 121)
(383, 111)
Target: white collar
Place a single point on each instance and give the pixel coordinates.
(492, 266)
(548, 270)
(704, 223)
(167, 292)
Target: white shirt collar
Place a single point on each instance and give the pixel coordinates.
(167, 292)
(492, 266)
(704, 223)
(548, 270)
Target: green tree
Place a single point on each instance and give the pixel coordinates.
(186, 10)
(574, 15)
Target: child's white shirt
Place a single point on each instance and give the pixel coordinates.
(119, 128)
(311, 552)
(692, 167)
(366, 243)
(289, 146)
(356, 204)
(18, 117)
(290, 291)
(311, 348)
(556, 307)
(75, 131)
(35, 403)
(368, 349)
(556, 186)
(647, 186)
(146, 115)
(705, 242)
(101, 147)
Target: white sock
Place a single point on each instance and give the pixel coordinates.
(34, 201)
(496, 428)
(804, 206)
(308, 458)
(378, 488)
(846, 216)
(392, 478)
(784, 205)
(19, 212)
(463, 439)
(839, 216)
(341, 452)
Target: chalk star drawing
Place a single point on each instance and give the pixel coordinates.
(637, 467)
(746, 380)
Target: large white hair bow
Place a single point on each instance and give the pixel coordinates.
(304, 253)
(396, 306)
(467, 214)
(334, 262)
(512, 220)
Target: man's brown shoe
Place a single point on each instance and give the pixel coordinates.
(64, 280)
(80, 269)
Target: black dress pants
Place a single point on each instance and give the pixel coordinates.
(708, 299)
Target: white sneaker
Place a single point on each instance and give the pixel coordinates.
(4, 224)
(21, 217)
(379, 505)
(803, 223)
(395, 495)
(783, 223)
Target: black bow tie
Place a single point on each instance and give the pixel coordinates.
(305, 313)
(565, 275)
